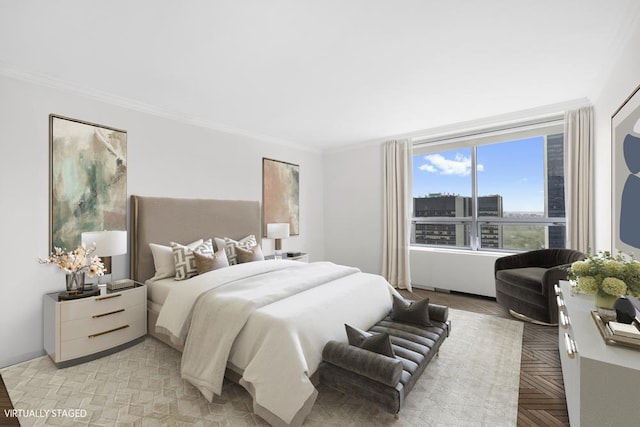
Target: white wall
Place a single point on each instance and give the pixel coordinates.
(165, 158)
(353, 188)
(353, 207)
(624, 78)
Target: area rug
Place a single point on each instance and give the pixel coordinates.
(473, 382)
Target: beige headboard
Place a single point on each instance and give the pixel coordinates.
(164, 219)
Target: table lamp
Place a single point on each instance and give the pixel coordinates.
(108, 244)
(278, 231)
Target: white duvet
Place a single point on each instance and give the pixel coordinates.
(269, 321)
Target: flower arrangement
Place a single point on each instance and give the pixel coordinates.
(76, 261)
(604, 275)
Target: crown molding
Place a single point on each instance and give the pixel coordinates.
(141, 107)
(515, 117)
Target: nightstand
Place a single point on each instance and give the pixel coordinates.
(79, 330)
(301, 256)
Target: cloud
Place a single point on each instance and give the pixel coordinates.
(427, 168)
(459, 165)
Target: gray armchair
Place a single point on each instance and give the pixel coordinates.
(524, 282)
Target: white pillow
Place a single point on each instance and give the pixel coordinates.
(163, 259)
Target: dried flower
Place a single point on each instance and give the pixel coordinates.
(76, 260)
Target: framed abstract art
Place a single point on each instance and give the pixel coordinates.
(280, 194)
(625, 174)
(88, 181)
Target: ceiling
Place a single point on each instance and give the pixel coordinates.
(324, 73)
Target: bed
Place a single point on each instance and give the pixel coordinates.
(262, 324)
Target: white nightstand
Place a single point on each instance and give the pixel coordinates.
(79, 330)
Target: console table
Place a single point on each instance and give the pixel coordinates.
(601, 381)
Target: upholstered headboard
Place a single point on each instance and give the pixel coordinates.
(164, 219)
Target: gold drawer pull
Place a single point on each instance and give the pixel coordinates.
(560, 301)
(108, 332)
(107, 314)
(108, 297)
(571, 346)
(564, 319)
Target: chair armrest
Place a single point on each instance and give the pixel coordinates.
(439, 313)
(380, 368)
(552, 276)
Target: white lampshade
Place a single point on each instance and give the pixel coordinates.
(108, 243)
(278, 230)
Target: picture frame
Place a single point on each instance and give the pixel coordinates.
(280, 194)
(87, 181)
(625, 178)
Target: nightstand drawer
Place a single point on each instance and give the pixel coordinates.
(101, 322)
(89, 307)
(105, 340)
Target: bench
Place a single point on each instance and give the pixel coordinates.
(379, 378)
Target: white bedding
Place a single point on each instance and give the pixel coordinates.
(269, 320)
(158, 290)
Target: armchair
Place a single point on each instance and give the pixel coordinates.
(524, 282)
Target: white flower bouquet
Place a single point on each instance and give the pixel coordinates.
(76, 261)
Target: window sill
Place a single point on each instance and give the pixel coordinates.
(457, 251)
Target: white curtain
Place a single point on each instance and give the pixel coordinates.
(397, 197)
(579, 178)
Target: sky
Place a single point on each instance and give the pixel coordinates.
(514, 170)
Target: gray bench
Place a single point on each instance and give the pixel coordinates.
(383, 379)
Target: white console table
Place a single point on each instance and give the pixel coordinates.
(601, 382)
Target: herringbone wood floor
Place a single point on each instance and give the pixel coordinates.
(541, 400)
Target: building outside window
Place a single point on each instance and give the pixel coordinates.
(497, 190)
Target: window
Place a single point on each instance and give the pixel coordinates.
(497, 190)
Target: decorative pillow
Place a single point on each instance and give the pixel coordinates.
(378, 343)
(230, 245)
(163, 259)
(249, 255)
(411, 311)
(205, 263)
(185, 260)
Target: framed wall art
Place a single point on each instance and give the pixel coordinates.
(625, 169)
(280, 194)
(88, 181)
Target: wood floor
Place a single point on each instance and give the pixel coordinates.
(5, 403)
(541, 399)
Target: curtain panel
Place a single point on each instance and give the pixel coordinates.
(579, 137)
(397, 213)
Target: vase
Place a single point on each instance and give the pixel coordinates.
(75, 282)
(604, 304)
(603, 300)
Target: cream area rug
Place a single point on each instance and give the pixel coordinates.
(474, 382)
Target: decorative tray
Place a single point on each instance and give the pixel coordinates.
(609, 338)
(66, 296)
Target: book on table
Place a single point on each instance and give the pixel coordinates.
(625, 330)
